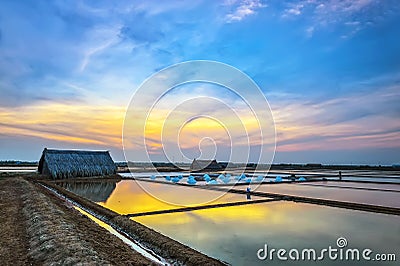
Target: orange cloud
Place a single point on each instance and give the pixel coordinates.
(68, 123)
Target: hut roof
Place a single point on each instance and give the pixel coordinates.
(198, 165)
(76, 163)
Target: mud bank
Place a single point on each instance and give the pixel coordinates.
(173, 251)
(44, 230)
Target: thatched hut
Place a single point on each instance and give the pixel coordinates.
(205, 165)
(76, 163)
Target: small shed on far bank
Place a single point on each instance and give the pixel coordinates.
(205, 165)
(61, 164)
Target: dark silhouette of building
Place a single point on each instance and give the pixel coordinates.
(205, 165)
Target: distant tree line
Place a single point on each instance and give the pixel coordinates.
(18, 163)
(281, 166)
(249, 166)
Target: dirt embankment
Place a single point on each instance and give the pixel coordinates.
(38, 228)
(171, 250)
(14, 246)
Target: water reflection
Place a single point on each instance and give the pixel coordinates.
(234, 234)
(384, 198)
(127, 196)
(94, 191)
(356, 185)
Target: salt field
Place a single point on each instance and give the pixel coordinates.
(357, 185)
(235, 234)
(384, 198)
(262, 176)
(19, 169)
(130, 196)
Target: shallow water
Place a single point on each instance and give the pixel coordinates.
(135, 246)
(384, 198)
(350, 185)
(130, 196)
(148, 174)
(235, 234)
(19, 169)
(387, 179)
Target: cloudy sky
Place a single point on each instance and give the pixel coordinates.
(330, 71)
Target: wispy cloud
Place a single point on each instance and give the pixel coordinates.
(99, 39)
(66, 123)
(351, 15)
(293, 10)
(348, 122)
(242, 9)
(310, 31)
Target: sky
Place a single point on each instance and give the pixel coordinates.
(330, 71)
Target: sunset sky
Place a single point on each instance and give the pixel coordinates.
(330, 71)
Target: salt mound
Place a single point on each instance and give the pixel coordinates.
(278, 179)
(207, 178)
(212, 182)
(152, 177)
(302, 178)
(191, 180)
(240, 177)
(259, 178)
(168, 178)
(226, 179)
(175, 179)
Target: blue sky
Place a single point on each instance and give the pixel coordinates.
(329, 69)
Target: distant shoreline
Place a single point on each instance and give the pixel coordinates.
(168, 167)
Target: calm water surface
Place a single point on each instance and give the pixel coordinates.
(349, 185)
(235, 234)
(130, 196)
(384, 198)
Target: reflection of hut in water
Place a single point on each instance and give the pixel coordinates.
(76, 163)
(94, 191)
(205, 165)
